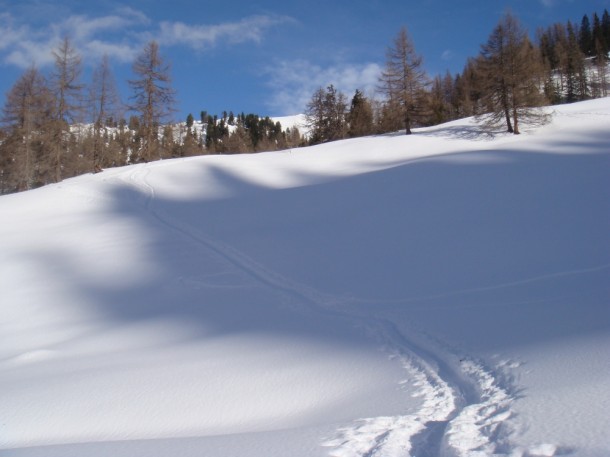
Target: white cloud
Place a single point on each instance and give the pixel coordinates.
(447, 55)
(119, 35)
(294, 82)
(119, 51)
(10, 32)
(82, 27)
(200, 37)
(26, 45)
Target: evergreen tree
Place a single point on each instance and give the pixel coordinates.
(360, 117)
(239, 141)
(599, 43)
(573, 63)
(606, 27)
(586, 42)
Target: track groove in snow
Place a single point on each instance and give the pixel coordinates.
(461, 412)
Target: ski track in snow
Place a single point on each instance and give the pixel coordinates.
(466, 406)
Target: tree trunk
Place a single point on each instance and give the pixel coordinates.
(515, 121)
(407, 123)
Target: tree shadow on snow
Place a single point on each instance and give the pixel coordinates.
(513, 243)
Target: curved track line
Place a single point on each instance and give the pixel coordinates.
(462, 408)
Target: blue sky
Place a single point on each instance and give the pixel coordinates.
(265, 57)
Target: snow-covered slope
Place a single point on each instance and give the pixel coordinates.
(445, 293)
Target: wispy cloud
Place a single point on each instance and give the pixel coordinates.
(294, 82)
(120, 35)
(29, 45)
(200, 37)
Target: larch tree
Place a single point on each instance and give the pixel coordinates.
(153, 98)
(511, 75)
(67, 90)
(326, 115)
(25, 115)
(105, 105)
(404, 80)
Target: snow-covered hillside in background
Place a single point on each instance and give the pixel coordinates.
(442, 294)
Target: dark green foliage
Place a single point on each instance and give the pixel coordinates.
(360, 117)
(587, 45)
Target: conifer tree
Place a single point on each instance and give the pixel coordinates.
(326, 115)
(509, 64)
(586, 42)
(67, 89)
(106, 104)
(153, 98)
(25, 118)
(572, 61)
(360, 117)
(403, 80)
(606, 27)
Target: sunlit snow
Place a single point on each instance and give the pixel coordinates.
(444, 293)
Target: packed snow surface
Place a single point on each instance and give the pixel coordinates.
(440, 294)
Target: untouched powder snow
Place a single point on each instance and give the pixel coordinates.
(441, 294)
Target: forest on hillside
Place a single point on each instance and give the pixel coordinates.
(54, 126)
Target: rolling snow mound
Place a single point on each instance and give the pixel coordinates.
(440, 294)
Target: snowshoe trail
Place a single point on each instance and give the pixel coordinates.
(465, 409)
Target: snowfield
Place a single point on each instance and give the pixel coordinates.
(442, 294)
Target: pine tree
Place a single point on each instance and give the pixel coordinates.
(586, 42)
(403, 81)
(360, 117)
(599, 44)
(572, 61)
(606, 27)
(153, 98)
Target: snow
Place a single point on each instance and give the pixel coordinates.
(444, 293)
(290, 122)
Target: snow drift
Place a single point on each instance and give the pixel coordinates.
(445, 293)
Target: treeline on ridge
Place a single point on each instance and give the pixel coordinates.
(54, 126)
